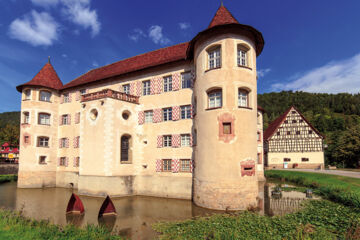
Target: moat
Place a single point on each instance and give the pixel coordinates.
(135, 215)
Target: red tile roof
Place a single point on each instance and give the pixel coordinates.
(47, 77)
(222, 17)
(273, 126)
(139, 62)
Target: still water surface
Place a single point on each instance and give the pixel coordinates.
(135, 215)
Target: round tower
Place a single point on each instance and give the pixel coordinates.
(225, 89)
(38, 129)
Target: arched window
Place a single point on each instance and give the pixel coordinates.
(215, 98)
(125, 149)
(243, 98)
(214, 57)
(242, 55)
(45, 96)
(26, 117)
(44, 119)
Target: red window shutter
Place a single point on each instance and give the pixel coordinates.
(191, 140)
(62, 98)
(192, 165)
(157, 115)
(70, 97)
(69, 115)
(74, 161)
(60, 143)
(58, 161)
(153, 86)
(77, 98)
(191, 111)
(158, 167)
(60, 121)
(141, 117)
(175, 140)
(67, 142)
(159, 85)
(175, 81)
(138, 89)
(159, 141)
(66, 161)
(175, 165)
(132, 88)
(175, 113)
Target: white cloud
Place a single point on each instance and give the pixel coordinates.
(35, 28)
(184, 25)
(95, 64)
(79, 12)
(45, 3)
(137, 34)
(156, 35)
(333, 77)
(64, 55)
(262, 72)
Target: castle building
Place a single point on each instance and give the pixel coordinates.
(292, 142)
(178, 122)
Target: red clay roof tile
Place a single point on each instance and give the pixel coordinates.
(222, 16)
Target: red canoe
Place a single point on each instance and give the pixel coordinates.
(107, 208)
(75, 205)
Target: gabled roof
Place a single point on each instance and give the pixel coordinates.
(273, 126)
(139, 62)
(222, 17)
(47, 77)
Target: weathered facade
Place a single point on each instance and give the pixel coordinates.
(178, 122)
(292, 142)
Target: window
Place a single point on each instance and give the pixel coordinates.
(185, 140)
(66, 97)
(304, 159)
(45, 96)
(77, 142)
(26, 139)
(126, 88)
(310, 131)
(184, 165)
(82, 91)
(297, 132)
(293, 112)
(63, 142)
(168, 84)
(259, 161)
(243, 96)
(43, 142)
(42, 160)
(148, 116)
(65, 119)
(77, 162)
(185, 112)
(226, 128)
(293, 121)
(215, 98)
(27, 93)
(259, 136)
(288, 132)
(301, 120)
(242, 56)
(278, 133)
(62, 161)
(166, 165)
(186, 80)
(287, 159)
(44, 119)
(125, 148)
(167, 141)
(146, 88)
(286, 121)
(167, 114)
(26, 117)
(214, 57)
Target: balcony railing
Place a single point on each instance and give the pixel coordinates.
(109, 93)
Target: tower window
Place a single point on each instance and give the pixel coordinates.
(27, 93)
(215, 98)
(214, 57)
(26, 117)
(44, 119)
(227, 128)
(243, 98)
(242, 56)
(45, 96)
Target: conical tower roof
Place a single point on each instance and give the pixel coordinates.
(47, 77)
(222, 17)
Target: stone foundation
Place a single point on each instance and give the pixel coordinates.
(29, 179)
(238, 194)
(67, 179)
(299, 165)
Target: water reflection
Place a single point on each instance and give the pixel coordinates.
(135, 215)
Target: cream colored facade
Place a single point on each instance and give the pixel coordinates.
(216, 164)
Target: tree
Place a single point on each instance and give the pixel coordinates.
(348, 148)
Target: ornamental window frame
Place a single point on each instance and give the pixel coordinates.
(214, 57)
(44, 96)
(167, 83)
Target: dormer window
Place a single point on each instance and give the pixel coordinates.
(242, 55)
(27, 93)
(45, 96)
(214, 57)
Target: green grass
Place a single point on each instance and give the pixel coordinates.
(8, 178)
(317, 220)
(345, 190)
(15, 226)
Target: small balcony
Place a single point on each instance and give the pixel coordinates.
(109, 93)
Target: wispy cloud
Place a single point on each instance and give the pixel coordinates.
(137, 34)
(95, 64)
(45, 3)
(262, 72)
(184, 25)
(333, 77)
(35, 28)
(79, 12)
(64, 55)
(157, 36)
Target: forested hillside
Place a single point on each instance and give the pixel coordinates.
(337, 116)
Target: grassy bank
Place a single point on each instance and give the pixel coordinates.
(15, 226)
(317, 220)
(8, 178)
(344, 190)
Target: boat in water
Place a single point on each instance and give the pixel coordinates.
(75, 205)
(107, 208)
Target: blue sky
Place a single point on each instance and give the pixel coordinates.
(309, 45)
